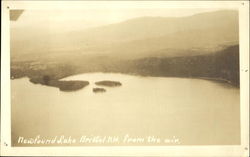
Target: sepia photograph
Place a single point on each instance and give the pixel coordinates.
(128, 76)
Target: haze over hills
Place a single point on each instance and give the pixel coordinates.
(207, 31)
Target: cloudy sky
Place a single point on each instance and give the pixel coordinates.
(67, 20)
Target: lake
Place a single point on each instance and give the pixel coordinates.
(193, 111)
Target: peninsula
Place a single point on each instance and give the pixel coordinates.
(62, 85)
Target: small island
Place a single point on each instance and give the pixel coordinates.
(70, 85)
(62, 85)
(108, 83)
(99, 90)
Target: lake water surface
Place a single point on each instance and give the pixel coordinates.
(194, 111)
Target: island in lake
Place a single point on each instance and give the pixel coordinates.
(108, 83)
(99, 90)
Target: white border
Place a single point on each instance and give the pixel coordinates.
(218, 150)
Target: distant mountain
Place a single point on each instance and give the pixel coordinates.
(151, 27)
(139, 37)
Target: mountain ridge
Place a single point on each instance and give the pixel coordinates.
(82, 41)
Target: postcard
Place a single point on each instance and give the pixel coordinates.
(125, 78)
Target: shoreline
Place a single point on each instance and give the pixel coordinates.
(218, 80)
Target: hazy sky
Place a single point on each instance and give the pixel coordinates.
(67, 20)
